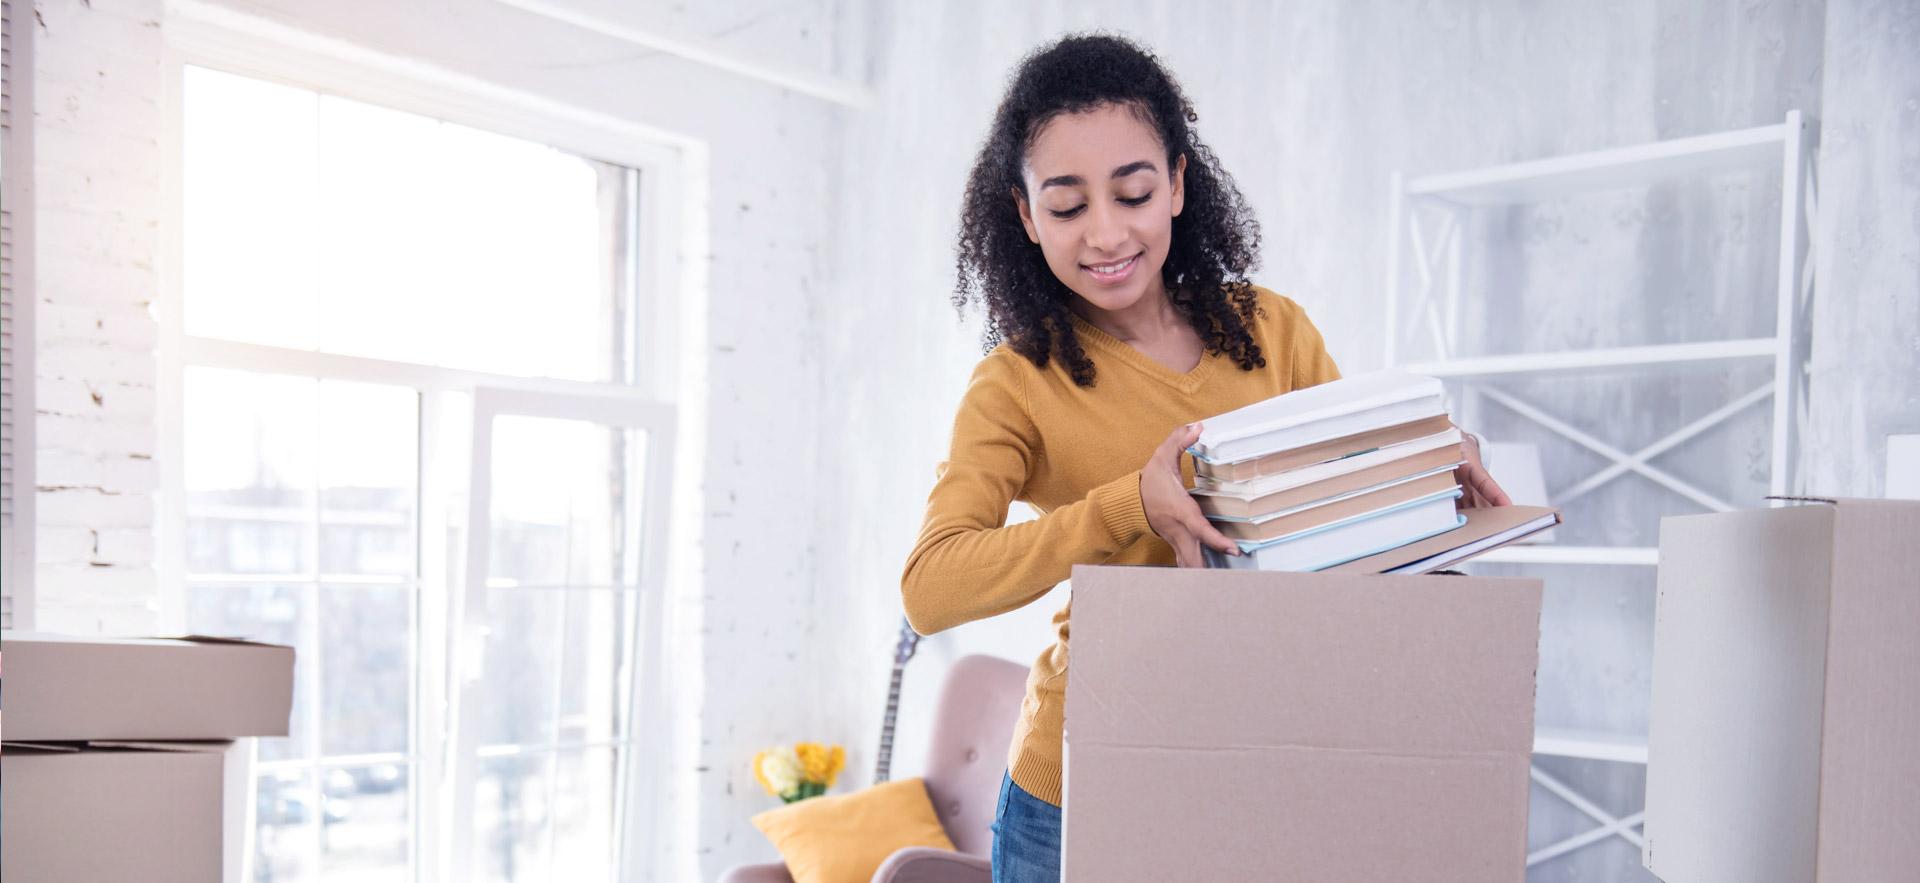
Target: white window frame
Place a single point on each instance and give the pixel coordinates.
(667, 307)
(643, 737)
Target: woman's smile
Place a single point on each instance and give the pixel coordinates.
(1115, 272)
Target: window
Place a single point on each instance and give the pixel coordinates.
(361, 290)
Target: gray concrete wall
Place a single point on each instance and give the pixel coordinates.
(750, 644)
(1311, 106)
(1866, 317)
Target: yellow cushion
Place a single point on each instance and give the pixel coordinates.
(845, 837)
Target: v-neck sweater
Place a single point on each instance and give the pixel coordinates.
(1074, 454)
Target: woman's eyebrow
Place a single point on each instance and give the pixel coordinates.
(1141, 165)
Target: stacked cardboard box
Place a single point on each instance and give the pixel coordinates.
(120, 761)
(1784, 740)
(1360, 468)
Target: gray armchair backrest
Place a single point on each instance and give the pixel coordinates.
(972, 729)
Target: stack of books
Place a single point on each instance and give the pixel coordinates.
(1353, 475)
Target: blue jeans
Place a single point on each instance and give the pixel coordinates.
(1026, 837)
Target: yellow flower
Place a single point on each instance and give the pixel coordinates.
(820, 764)
(813, 761)
(839, 763)
(778, 770)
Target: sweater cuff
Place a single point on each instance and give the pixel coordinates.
(1120, 508)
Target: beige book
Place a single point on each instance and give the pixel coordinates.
(1348, 507)
(1227, 504)
(1320, 452)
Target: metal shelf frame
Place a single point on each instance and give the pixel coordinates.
(1426, 215)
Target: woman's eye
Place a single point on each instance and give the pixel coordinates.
(1138, 200)
(1063, 215)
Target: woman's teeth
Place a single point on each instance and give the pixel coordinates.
(1110, 269)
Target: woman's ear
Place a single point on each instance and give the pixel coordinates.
(1179, 184)
(1026, 214)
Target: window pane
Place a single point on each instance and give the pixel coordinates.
(511, 815)
(287, 816)
(369, 443)
(249, 471)
(585, 800)
(521, 667)
(318, 222)
(595, 665)
(367, 841)
(564, 497)
(366, 679)
(272, 614)
(250, 164)
(500, 235)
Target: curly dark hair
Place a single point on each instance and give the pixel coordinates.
(1215, 237)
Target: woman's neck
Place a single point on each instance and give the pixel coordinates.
(1145, 320)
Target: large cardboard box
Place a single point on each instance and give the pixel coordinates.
(1784, 742)
(70, 688)
(1241, 725)
(113, 812)
(120, 764)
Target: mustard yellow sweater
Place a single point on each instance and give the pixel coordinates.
(1029, 434)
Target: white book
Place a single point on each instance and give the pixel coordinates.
(1306, 475)
(1343, 407)
(1342, 541)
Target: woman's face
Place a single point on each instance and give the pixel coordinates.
(1102, 203)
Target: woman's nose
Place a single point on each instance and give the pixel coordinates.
(1105, 232)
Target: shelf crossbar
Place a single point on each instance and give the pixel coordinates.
(1574, 434)
(1609, 357)
(1590, 746)
(1618, 167)
(1610, 826)
(1720, 415)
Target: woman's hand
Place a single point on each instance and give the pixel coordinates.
(1477, 487)
(1171, 511)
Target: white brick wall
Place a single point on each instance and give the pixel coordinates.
(754, 345)
(98, 207)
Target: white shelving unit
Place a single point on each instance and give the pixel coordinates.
(1426, 217)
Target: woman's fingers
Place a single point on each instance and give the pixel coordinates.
(1188, 529)
(1469, 498)
(1189, 541)
(1477, 485)
(1211, 536)
(1488, 489)
(1195, 521)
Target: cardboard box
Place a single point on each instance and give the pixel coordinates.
(67, 688)
(1784, 743)
(122, 812)
(1245, 725)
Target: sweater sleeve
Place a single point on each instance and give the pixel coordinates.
(968, 564)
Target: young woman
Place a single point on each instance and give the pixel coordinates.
(1110, 251)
